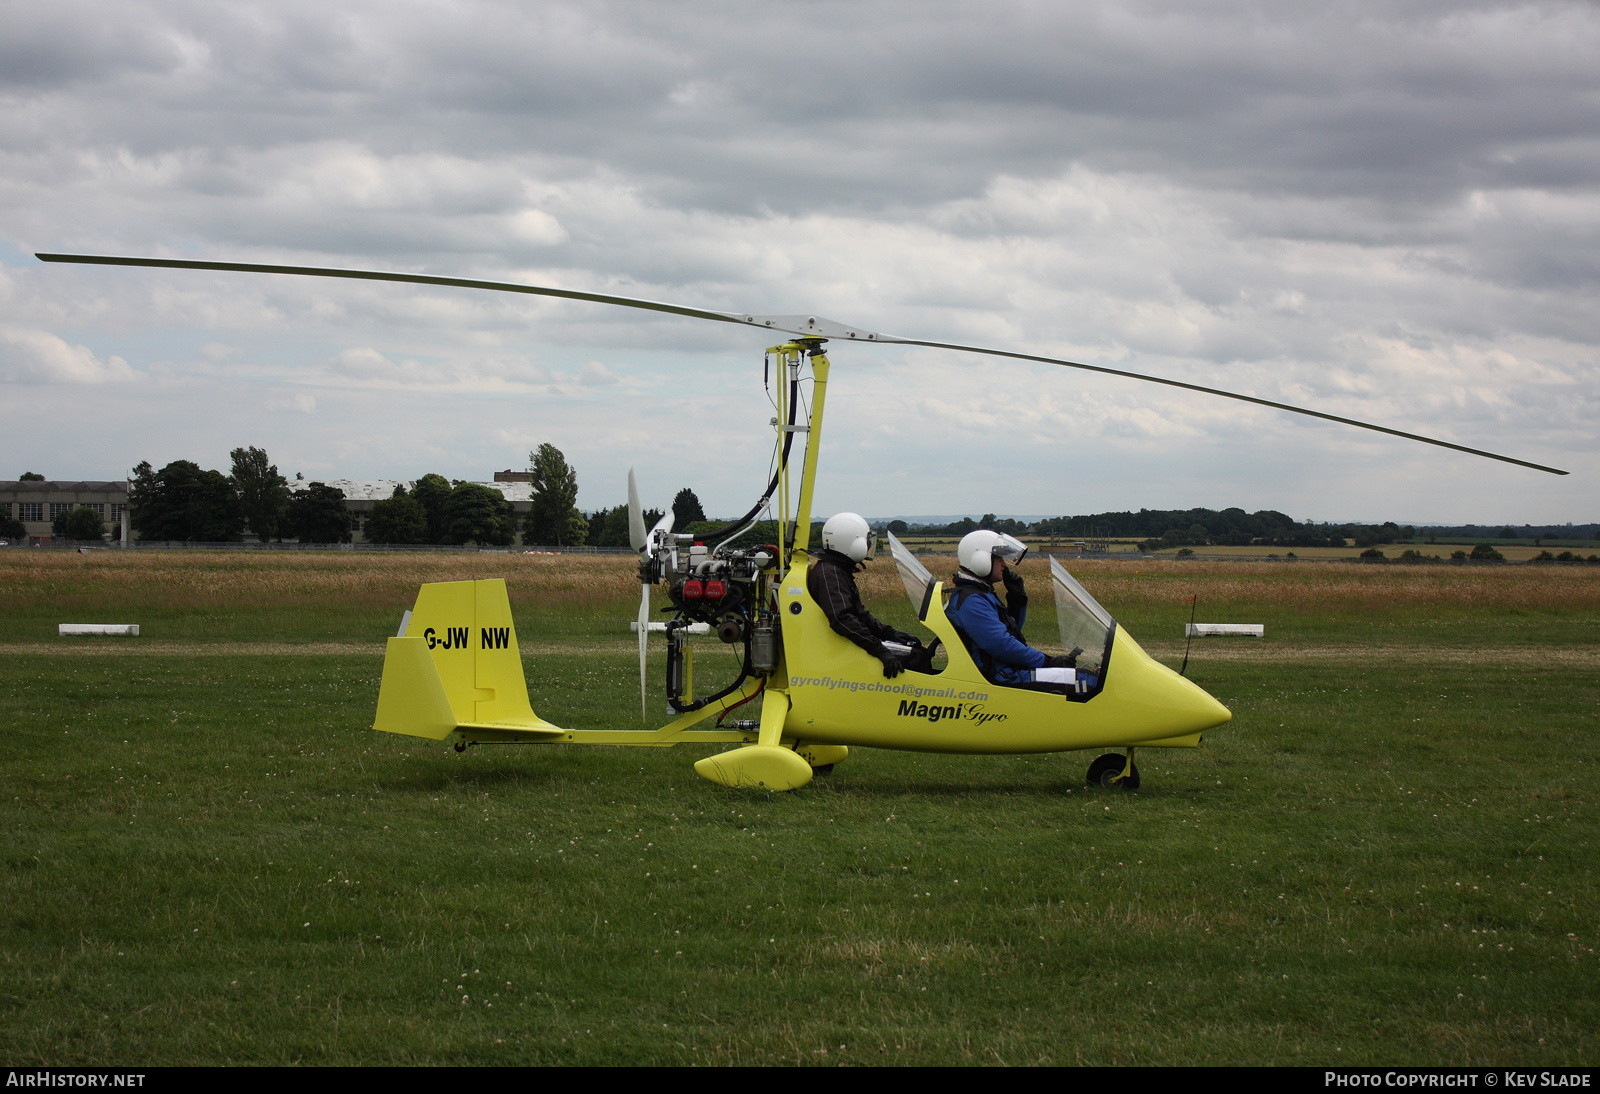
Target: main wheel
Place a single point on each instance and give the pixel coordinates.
(1104, 771)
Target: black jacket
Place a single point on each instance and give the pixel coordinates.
(831, 582)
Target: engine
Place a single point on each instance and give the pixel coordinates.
(726, 589)
(721, 590)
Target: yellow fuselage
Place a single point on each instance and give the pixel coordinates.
(838, 695)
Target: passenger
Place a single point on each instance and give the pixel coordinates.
(846, 539)
(992, 631)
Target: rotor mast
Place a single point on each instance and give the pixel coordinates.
(791, 357)
(808, 477)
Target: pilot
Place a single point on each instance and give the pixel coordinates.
(846, 539)
(991, 630)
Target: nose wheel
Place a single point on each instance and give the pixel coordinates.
(1113, 771)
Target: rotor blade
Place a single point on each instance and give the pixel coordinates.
(410, 279)
(789, 324)
(1224, 394)
(636, 534)
(806, 325)
(644, 633)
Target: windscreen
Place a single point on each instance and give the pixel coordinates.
(913, 574)
(1084, 623)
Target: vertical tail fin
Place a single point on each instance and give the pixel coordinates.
(412, 699)
(461, 636)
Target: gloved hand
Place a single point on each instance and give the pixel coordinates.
(1062, 661)
(909, 639)
(892, 665)
(1016, 592)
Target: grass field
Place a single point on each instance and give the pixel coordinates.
(1387, 857)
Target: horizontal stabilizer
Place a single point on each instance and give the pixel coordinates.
(506, 731)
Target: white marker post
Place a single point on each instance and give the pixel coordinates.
(1217, 630)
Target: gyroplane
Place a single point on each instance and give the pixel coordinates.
(455, 673)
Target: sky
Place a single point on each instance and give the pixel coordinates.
(1387, 212)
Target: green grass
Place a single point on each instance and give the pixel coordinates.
(208, 858)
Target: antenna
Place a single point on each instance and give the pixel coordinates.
(1188, 633)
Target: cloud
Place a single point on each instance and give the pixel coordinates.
(537, 227)
(62, 43)
(448, 371)
(301, 402)
(217, 352)
(39, 357)
(364, 362)
(594, 374)
(1387, 213)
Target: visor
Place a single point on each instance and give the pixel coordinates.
(1011, 549)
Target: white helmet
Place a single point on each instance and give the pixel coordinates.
(848, 534)
(977, 550)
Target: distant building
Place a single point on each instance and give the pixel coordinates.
(36, 504)
(509, 475)
(361, 495)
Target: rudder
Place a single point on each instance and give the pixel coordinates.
(499, 680)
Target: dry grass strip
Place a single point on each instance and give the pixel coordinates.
(1565, 657)
(108, 580)
(237, 579)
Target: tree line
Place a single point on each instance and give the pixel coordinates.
(1154, 529)
(181, 501)
(184, 502)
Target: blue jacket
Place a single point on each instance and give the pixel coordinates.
(991, 634)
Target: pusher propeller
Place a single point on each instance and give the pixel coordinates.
(646, 544)
(806, 326)
(644, 631)
(636, 531)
